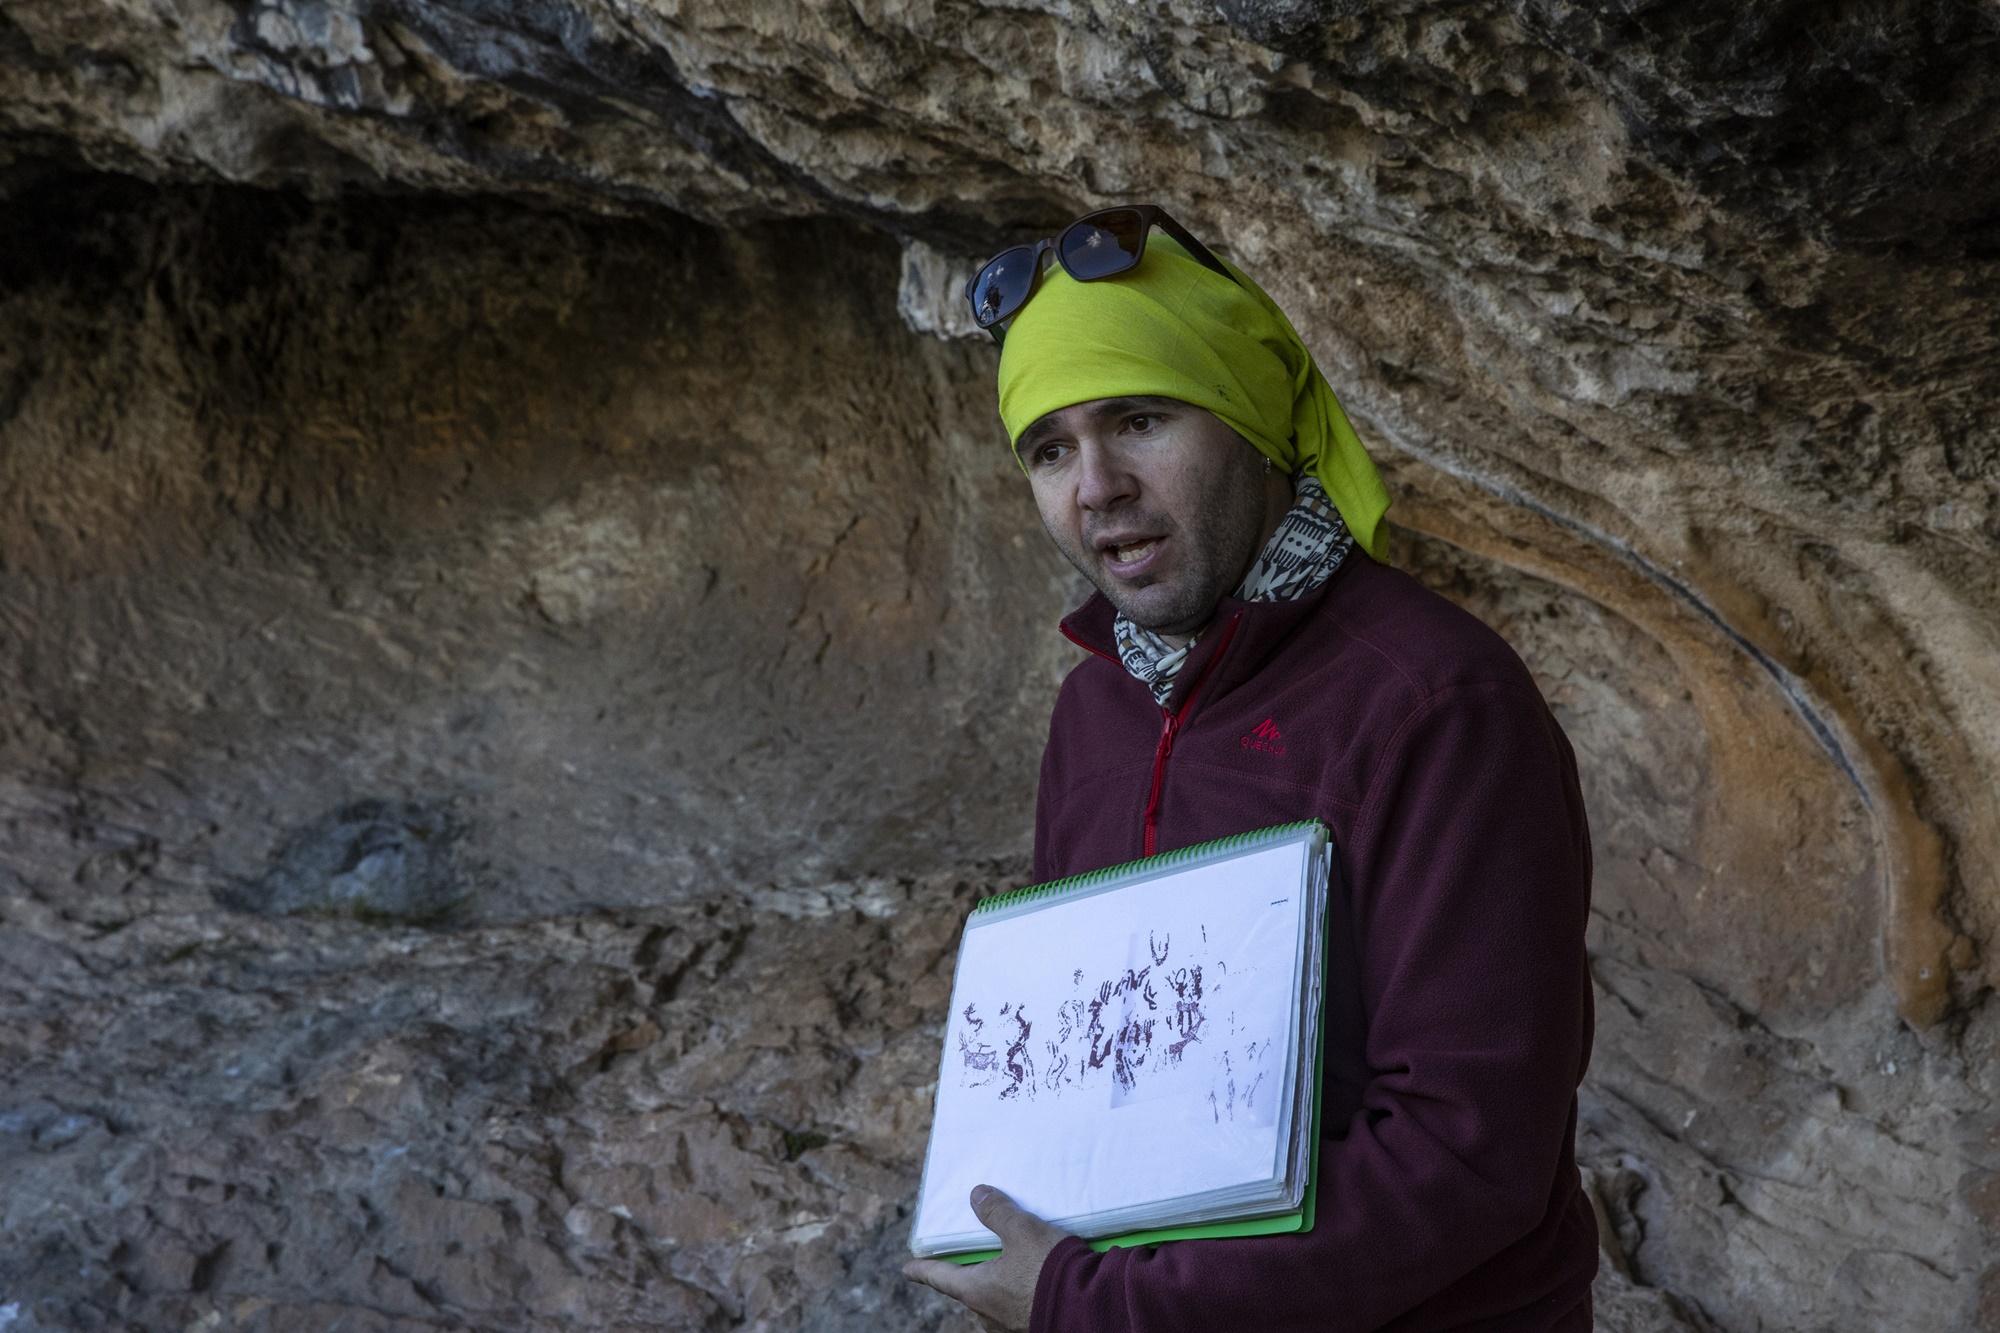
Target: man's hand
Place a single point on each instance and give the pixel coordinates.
(1001, 1291)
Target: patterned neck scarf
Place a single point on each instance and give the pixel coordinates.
(1310, 543)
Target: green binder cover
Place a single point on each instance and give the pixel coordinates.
(1292, 1222)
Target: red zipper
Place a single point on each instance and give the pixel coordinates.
(1170, 725)
(1094, 652)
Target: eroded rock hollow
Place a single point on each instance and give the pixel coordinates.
(520, 638)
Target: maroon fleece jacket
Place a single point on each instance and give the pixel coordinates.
(1458, 1017)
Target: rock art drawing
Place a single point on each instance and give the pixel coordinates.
(1122, 1036)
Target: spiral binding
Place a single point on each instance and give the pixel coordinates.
(1235, 841)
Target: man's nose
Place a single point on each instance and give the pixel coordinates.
(1104, 481)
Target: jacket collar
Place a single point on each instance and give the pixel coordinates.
(1252, 632)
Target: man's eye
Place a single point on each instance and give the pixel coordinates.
(1141, 424)
(1048, 453)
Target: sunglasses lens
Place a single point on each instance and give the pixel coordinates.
(1102, 244)
(1002, 287)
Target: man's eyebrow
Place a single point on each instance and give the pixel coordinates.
(1040, 429)
(1138, 402)
(1045, 426)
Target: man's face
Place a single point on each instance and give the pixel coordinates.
(1155, 501)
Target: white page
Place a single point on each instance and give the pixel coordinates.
(1124, 1047)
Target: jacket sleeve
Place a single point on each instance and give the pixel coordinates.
(1469, 881)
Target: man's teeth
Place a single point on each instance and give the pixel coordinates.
(1131, 551)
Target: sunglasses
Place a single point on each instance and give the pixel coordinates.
(1097, 245)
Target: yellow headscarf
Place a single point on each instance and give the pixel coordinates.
(1176, 329)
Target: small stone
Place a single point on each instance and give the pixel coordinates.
(387, 861)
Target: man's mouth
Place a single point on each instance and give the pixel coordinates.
(1129, 556)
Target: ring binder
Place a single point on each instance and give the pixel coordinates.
(1133, 1052)
(1164, 860)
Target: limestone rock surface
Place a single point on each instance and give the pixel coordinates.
(519, 636)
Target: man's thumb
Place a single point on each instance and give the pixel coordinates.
(998, 1213)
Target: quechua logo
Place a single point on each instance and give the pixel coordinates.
(1265, 736)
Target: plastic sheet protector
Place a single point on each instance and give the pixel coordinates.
(1136, 1048)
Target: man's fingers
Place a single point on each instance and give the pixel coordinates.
(1000, 1291)
(951, 1279)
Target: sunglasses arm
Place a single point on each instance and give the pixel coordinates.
(1199, 252)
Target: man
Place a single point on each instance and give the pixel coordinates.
(1251, 663)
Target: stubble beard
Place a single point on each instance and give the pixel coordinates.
(1216, 549)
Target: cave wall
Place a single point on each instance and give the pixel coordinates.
(480, 461)
(652, 557)
(637, 620)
